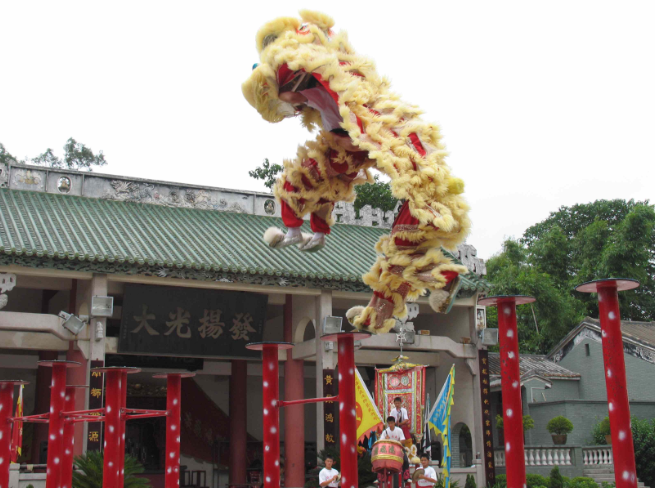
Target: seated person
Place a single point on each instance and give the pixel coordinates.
(392, 432)
(328, 476)
(429, 476)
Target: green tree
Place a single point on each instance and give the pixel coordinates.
(77, 156)
(541, 325)
(267, 172)
(5, 156)
(377, 195)
(89, 471)
(576, 244)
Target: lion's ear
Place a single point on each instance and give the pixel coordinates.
(323, 21)
(270, 31)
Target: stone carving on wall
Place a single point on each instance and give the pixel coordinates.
(7, 283)
(344, 213)
(468, 255)
(132, 191)
(27, 177)
(4, 176)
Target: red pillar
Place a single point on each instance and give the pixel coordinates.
(347, 404)
(6, 411)
(112, 444)
(69, 437)
(294, 426)
(121, 449)
(77, 376)
(511, 385)
(625, 473)
(173, 426)
(347, 412)
(271, 434)
(42, 402)
(238, 425)
(56, 421)
(270, 408)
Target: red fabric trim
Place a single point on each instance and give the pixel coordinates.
(289, 217)
(284, 75)
(318, 224)
(417, 144)
(449, 275)
(306, 182)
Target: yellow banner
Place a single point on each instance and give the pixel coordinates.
(368, 417)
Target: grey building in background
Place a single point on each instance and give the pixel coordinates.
(569, 381)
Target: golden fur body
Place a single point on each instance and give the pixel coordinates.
(391, 127)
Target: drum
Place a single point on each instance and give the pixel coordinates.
(387, 455)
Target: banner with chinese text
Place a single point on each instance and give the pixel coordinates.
(191, 322)
(487, 437)
(330, 408)
(95, 392)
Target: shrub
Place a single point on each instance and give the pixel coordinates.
(535, 480)
(501, 481)
(89, 471)
(528, 423)
(643, 435)
(559, 425)
(604, 427)
(582, 482)
(556, 480)
(470, 482)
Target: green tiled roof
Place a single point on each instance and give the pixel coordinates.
(61, 231)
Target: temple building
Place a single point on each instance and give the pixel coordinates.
(174, 277)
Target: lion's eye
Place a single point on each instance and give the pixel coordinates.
(269, 39)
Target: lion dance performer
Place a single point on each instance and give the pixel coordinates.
(308, 70)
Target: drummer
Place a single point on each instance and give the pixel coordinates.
(401, 416)
(328, 476)
(392, 432)
(395, 433)
(429, 476)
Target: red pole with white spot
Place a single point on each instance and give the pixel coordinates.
(173, 425)
(6, 410)
(511, 385)
(114, 426)
(69, 438)
(56, 421)
(347, 403)
(121, 459)
(625, 473)
(270, 408)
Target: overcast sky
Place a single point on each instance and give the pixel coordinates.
(541, 104)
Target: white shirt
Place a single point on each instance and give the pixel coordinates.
(430, 473)
(399, 416)
(327, 474)
(396, 434)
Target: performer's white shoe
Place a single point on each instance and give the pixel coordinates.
(312, 243)
(276, 239)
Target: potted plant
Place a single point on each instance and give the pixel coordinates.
(604, 429)
(528, 423)
(559, 427)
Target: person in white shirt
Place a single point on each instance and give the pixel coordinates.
(328, 476)
(429, 476)
(399, 413)
(392, 432)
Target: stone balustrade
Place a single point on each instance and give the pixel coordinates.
(561, 456)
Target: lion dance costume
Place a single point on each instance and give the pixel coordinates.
(308, 70)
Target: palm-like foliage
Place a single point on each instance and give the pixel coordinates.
(89, 472)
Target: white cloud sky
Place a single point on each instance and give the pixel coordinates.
(541, 104)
